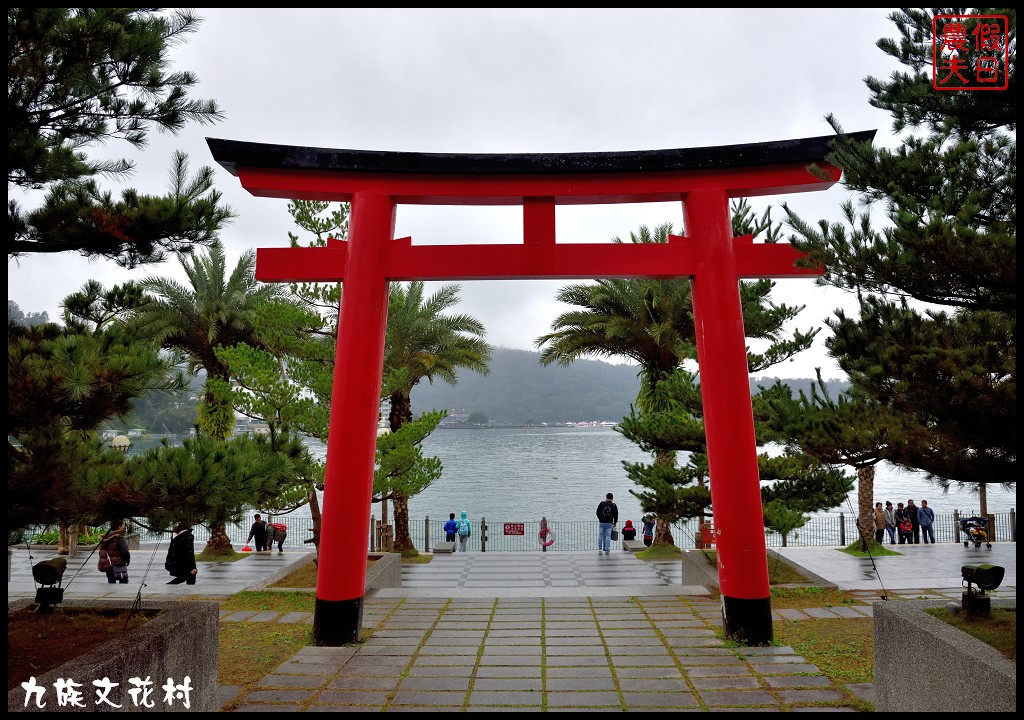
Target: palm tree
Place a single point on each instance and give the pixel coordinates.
(215, 310)
(647, 321)
(651, 322)
(424, 343)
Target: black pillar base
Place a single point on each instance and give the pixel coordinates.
(337, 622)
(976, 605)
(748, 622)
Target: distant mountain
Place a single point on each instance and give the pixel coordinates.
(520, 391)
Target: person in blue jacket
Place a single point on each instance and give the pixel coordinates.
(451, 528)
(464, 530)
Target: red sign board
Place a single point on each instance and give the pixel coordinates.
(515, 528)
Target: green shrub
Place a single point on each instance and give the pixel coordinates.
(52, 537)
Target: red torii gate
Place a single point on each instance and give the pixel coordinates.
(702, 179)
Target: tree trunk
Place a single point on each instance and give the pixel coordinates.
(400, 414)
(67, 539)
(402, 539)
(401, 410)
(983, 500)
(662, 530)
(662, 533)
(314, 512)
(219, 542)
(865, 504)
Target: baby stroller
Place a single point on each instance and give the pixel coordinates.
(976, 530)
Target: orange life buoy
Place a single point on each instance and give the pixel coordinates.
(546, 537)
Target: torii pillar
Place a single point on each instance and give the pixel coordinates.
(703, 180)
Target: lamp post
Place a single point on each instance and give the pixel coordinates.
(121, 443)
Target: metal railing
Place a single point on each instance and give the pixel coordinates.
(830, 530)
(498, 536)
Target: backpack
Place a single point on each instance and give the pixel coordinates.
(104, 563)
(463, 528)
(108, 560)
(607, 514)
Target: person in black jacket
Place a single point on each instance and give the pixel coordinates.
(114, 553)
(181, 556)
(258, 531)
(912, 514)
(607, 517)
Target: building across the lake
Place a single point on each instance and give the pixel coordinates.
(455, 418)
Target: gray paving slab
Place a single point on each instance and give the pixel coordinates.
(616, 619)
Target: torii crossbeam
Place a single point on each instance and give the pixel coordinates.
(702, 180)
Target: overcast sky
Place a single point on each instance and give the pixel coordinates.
(508, 80)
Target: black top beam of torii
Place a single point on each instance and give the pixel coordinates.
(231, 154)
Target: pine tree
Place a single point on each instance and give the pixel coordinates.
(651, 322)
(62, 383)
(797, 481)
(850, 430)
(934, 338)
(79, 77)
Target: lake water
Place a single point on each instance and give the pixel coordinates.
(562, 473)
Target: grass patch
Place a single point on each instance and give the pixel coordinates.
(779, 571)
(660, 552)
(417, 559)
(304, 576)
(782, 573)
(250, 651)
(874, 550)
(811, 596)
(270, 600)
(998, 630)
(842, 648)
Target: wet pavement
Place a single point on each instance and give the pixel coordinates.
(552, 632)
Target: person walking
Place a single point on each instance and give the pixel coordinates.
(648, 530)
(607, 517)
(114, 553)
(890, 522)
(914, 521)
(451, 528)
(181, 556)
(879, 523)
(926, 519)
(258, 532)
(464, 529)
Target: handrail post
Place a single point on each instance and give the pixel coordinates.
(373, 533)
(842, 529)
(956, 526)
(426, 534)
(483, 534)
